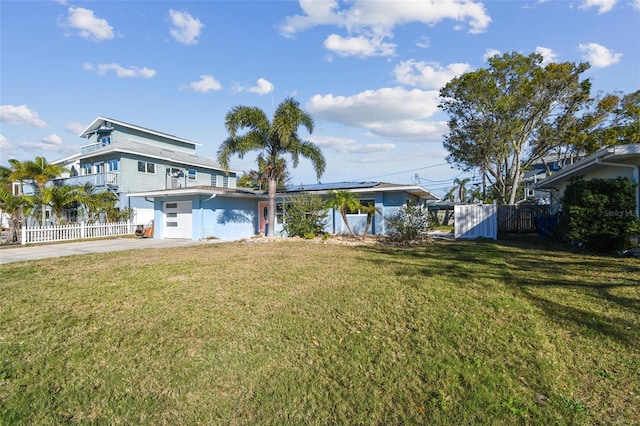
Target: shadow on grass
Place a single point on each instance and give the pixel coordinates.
(535, 270)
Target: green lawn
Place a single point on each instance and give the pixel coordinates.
(304, 333)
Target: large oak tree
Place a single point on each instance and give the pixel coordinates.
(500, 115)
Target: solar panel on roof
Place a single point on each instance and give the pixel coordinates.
(330, 186)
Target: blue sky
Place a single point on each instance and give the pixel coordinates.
(368, 71)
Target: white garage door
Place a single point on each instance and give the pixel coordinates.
(177, 219)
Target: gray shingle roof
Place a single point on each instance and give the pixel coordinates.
(145, 150)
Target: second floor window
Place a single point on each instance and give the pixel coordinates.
(193, 175)
(145, 167)
(87, 169)
(112, 165)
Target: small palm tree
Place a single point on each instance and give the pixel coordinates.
(38, 171)
(59, 198)
(14, 206)
(371, 210)
(273, 139)
(458, 191)
(344, 201)
(95, 203)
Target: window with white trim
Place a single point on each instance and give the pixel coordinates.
(192, 174)
(363, 203)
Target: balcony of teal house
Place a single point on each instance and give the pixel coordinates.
(98, 180)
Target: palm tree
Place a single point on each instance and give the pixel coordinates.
(371, 211)
(344, 201)
(95, 202)
(273, 139)
(459, 190)
(257, 179)
(59, 198)
(39, 172)
(13, 206)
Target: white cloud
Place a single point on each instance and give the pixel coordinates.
(412, 130)
(548, 55)
(379, 15)
(88, 25)
(21, 114)
(490, 53)
(206, 83)
(4, 143)
(368, 23)
(74, 127)
(262, 87)
(350, 145)
(428, 75)
(359, 46)
(603, 6)
(636, 4)
(598, 55)
(48, 143)
(424, 42)
(120, 70)
(186, 29)
(381, 110)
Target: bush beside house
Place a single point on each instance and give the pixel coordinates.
(600, 213)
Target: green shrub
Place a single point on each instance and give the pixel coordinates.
(409, 223)
(600, 213)
(305, 216)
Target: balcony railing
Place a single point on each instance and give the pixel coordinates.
(97, 180)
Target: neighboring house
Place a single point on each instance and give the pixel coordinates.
(206, 212)
(551, 164)
(607, 163)
(124, 158)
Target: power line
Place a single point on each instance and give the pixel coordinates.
(406, 171)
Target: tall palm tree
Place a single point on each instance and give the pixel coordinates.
(39, 172)
(344, 201)
(273, 139)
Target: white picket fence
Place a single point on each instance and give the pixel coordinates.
(474, 221)
(75, 231)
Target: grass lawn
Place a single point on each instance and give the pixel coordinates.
(301, 333)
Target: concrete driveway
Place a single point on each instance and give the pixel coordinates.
(43, 251)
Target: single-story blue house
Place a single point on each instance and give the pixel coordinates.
(205, 212)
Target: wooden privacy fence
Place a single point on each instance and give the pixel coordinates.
(75, 231)
(474, 221)
(520, 219)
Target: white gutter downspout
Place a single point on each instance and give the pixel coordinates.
(636, 179)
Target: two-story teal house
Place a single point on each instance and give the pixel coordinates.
(124, 158)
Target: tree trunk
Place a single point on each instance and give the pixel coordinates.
(271, 214)
(515, 181)
(368, 225)
(343, 212)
